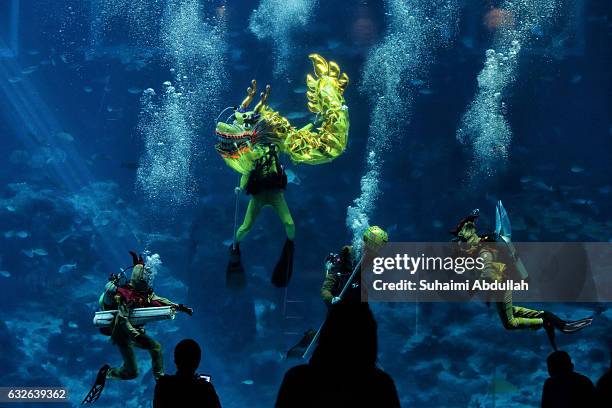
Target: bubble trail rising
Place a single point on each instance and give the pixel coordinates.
(416, 29)
(141, 16)
(484, 126)
(277, 21)
(193, 36)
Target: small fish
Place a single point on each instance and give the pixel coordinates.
(9, 234)
(299, 90)
(134, 90)
(333, 44)
(10, 208)
(228, 242)
(65, 237)
(426, 91)
(417, 82)
(88, 89)
(28, 252)
(6, 274)
(73, 325)
(29, 70)
(576, 169)
(65, 136)
(582, 201)
(293, 178)
(248, 382)
(130, 165)
(540, 185)
(67, 268)
(525, 179)
(14, 80)
(40, 252)
(22, 234)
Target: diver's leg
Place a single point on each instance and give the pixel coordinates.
(279, 204)
(284, 267)
(250, 216)
(155, 350)
(129, 369)
(523, 319)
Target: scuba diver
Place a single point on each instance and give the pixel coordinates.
(512, 317)
(339, 269)
(266, 183)
(251, 141)
(125, 297)
(342, 283)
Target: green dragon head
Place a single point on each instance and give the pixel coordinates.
(244, 129)
(241, 139)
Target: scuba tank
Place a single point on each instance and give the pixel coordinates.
(268, 173)
(106, 301)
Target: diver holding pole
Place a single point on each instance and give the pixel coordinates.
(341, 284)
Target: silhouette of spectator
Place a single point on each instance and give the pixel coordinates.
(185, 389)
(342, 371)
(566, 388)
(604, 388)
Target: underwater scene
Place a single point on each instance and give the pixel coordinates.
(249, 154)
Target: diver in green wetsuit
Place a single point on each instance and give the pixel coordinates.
(266, 183)
(512, 317)
(251, 140)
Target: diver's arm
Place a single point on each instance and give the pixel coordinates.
(326, 290)
(178, 306)
(244, 179)
(122, 319)
(493, 271)
(163, 300)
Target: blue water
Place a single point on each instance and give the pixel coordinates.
(96, 164)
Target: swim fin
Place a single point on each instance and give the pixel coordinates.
(284, 266)
(577, 325)
(552, 322)
(235, 277)
(297, 351)
(567, 326)
(98, 387)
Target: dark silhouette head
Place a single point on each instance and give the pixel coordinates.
(187, 354)
(348, 340)
(559, 363)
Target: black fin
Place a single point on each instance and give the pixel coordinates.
(297, 351)
(576, 325)
(550, 332)
(284, 267)
(235, 277)
(94, 394)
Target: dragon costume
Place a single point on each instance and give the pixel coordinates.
(251, 141)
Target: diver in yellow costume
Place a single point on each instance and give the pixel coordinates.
(512, 317)
(251, 141)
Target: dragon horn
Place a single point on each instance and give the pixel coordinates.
(264, 99)
(251, 90)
